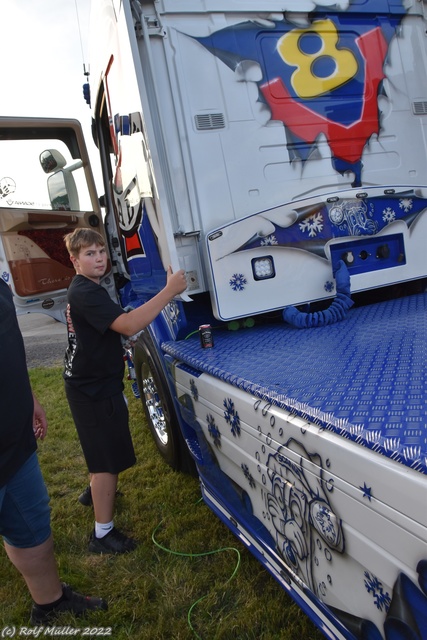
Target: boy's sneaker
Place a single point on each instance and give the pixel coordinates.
(85, 498)
(72, 602)
(113, 542)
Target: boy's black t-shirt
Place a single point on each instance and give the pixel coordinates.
(93, 363)
(17, 441)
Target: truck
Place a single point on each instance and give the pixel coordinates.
(276, 150)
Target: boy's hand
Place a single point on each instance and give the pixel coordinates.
(176, 282)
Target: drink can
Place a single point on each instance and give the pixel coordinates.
(206, 338)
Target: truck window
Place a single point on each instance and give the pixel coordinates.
(46, 190)
(27, 177)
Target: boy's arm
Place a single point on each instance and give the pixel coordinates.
(130, 323)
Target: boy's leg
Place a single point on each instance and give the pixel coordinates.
(103, 487)
(103, 429)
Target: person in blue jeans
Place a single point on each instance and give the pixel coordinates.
(24, 502)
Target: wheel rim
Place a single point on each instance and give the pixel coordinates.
(155, 409)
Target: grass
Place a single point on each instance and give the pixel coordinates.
(152, 593)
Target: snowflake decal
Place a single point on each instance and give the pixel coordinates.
(373, 585)
(405, 204)
(329, 286)
(270, 240)
(232, 417)
(248, 475)
(313, 224)
(389, 215)
(214, 432)
(324, 521)
(238, 281)
(194, 391)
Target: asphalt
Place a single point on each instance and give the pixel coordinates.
(45, 340)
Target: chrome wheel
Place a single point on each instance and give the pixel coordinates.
(155, 409)
(158, 405)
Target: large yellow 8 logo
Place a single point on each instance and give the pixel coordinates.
(320, 70)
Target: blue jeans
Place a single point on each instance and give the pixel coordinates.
(24, 507)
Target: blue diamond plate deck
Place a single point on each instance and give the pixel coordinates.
(363, 378)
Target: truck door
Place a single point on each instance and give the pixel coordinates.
(46, 190)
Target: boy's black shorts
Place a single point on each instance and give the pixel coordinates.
(103, 430)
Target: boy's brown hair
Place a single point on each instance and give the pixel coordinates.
(81, 238)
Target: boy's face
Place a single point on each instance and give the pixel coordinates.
(91, 262)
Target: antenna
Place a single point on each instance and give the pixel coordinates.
(86, 68)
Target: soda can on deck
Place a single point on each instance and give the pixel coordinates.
(206, 338)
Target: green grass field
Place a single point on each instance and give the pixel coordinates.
(189, 577)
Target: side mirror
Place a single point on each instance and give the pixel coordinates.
(62, 190)
(61, 185)
(51, 160)
(58, 195)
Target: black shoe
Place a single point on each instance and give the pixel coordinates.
(85, 498)
(113, 542)
(73, 602)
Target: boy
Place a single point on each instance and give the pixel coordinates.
(93, 375)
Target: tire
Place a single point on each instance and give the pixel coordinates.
(158, 406)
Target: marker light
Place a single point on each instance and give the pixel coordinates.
(263, 268)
